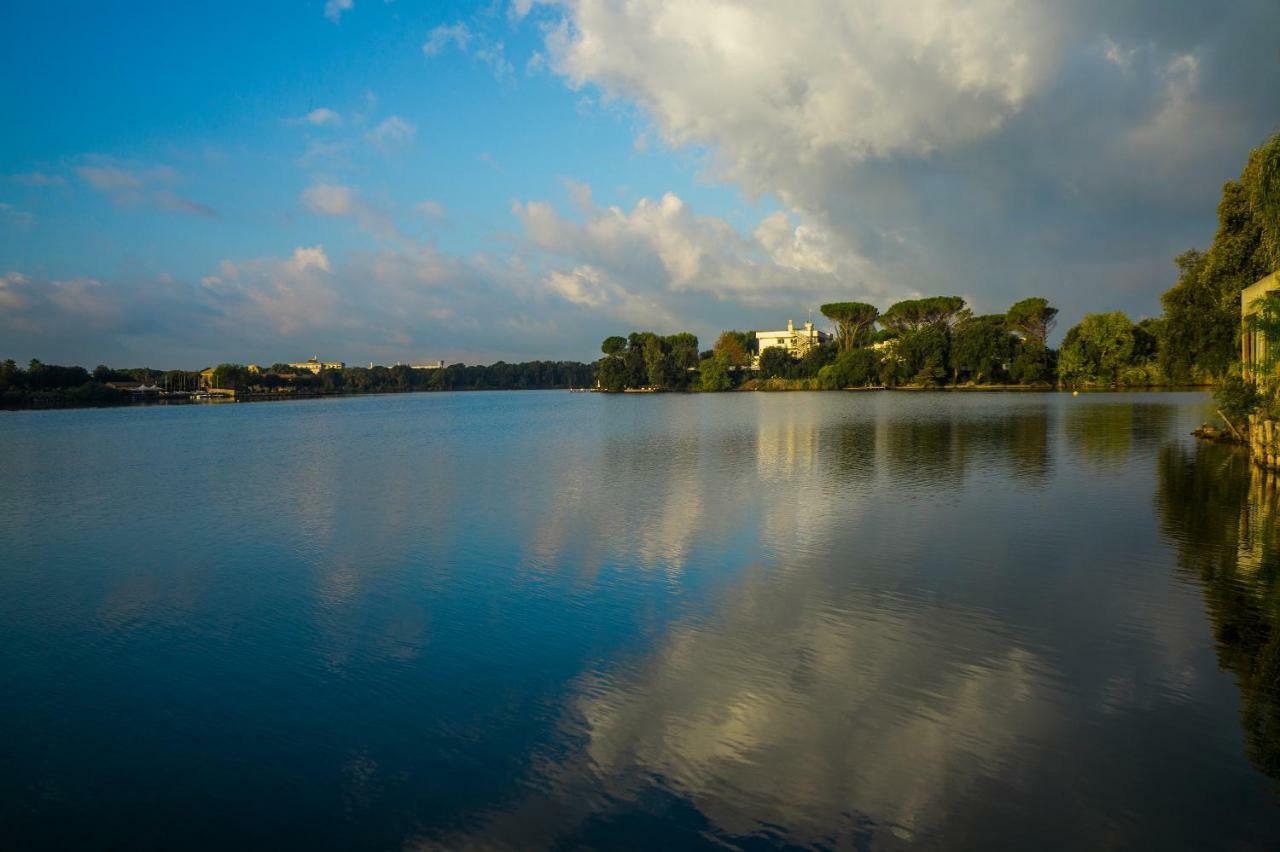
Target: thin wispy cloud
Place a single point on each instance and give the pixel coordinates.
(391, 132)
(38, 179)
(133, 186)
(14, 217)
(458, 34)
(322, 116)
(333, 9)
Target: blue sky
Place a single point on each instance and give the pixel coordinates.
(189, 183)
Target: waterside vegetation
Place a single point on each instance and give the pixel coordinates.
(50, 386)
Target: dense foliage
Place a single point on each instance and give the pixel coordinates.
(647, 360)
(48, 385)
(928, 341)
(1202, 310)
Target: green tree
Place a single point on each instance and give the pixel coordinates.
(1147, 335)
(852, 368)
(776, 363)
(682, 349)
(614, 346)
(613, 374)
(1199, 330)
(1097, 349)
(1033, 318)
(853, 321)
(1033, 364)
(980, 347)
(661, 370)
(923, 354)
(814, 360)
(716, 373)
(917, 314)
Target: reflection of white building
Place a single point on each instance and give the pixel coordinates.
(796, 341)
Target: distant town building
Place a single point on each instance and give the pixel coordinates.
(796, 341)
(1253, 342)
(315, 365)
(438, 365)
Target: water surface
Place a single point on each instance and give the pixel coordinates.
(552, 620)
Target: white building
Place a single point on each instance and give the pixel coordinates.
(796, 341)
(315, 365)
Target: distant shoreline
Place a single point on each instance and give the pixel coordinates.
(50, 404)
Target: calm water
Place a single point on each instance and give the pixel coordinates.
(552, 620)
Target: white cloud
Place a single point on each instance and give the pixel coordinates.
(11, 283)
(913, 134)
(440, 37)
(333, 9)
(322, 116)
(328, 199)
(309, 258)
(781, 86)
(391, 131)
(663, 245)
(583, 286)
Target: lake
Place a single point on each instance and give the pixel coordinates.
(550, 620)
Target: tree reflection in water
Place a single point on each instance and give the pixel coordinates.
(1222, 513)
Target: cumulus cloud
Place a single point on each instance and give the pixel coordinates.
(329, 199)
(775, 85)
(663, 251)
(988, 145)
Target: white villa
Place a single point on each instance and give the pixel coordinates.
(796, 341)
(315, 365)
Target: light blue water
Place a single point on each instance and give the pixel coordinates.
(553, 620)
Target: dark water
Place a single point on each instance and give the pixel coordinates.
(552, 620)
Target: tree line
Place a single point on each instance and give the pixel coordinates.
(933, 340)
(49, 385)
(529, 375)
